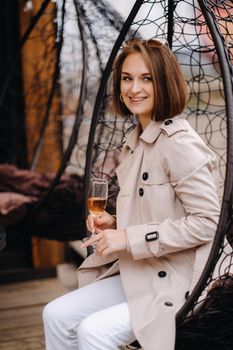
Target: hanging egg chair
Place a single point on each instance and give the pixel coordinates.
(200, 34)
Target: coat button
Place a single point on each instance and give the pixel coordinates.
(168, 303)
(145, 176)
(162, 274)
(141, 192)
(168, 122)
(186, 295)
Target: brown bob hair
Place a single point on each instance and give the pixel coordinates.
(169, 84)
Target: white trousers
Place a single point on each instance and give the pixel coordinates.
(95, 317)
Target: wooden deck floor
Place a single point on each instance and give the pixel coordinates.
(21, 304)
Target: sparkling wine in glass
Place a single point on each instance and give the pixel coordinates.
(97, 196)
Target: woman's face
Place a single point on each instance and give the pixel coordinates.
(137, 89)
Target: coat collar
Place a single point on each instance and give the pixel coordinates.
(149, 134)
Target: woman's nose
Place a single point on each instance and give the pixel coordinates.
(135, 87)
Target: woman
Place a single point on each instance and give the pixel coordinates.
(167, 214)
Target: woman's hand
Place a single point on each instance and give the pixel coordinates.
(104, 221)
(107, 241)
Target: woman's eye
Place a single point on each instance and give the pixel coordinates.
(125, 78)
(148, 78)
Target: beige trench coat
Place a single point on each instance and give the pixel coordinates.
(168, 203)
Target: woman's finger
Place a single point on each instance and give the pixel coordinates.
(100, 247)
(92, 240)
(104, 251)
(90, 222)
(88, 225)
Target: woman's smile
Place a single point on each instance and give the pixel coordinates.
(137, 99)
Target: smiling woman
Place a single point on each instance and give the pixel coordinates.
(167, 212)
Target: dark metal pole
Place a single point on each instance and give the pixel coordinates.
(102, 89)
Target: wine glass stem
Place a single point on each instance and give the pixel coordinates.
(94, 218)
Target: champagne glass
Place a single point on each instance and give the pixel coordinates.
(97, 197)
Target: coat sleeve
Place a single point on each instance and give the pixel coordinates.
(190, 166)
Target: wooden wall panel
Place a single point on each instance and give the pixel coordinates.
(38, 58)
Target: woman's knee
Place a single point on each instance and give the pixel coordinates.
(47, 315)
(52, 313)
